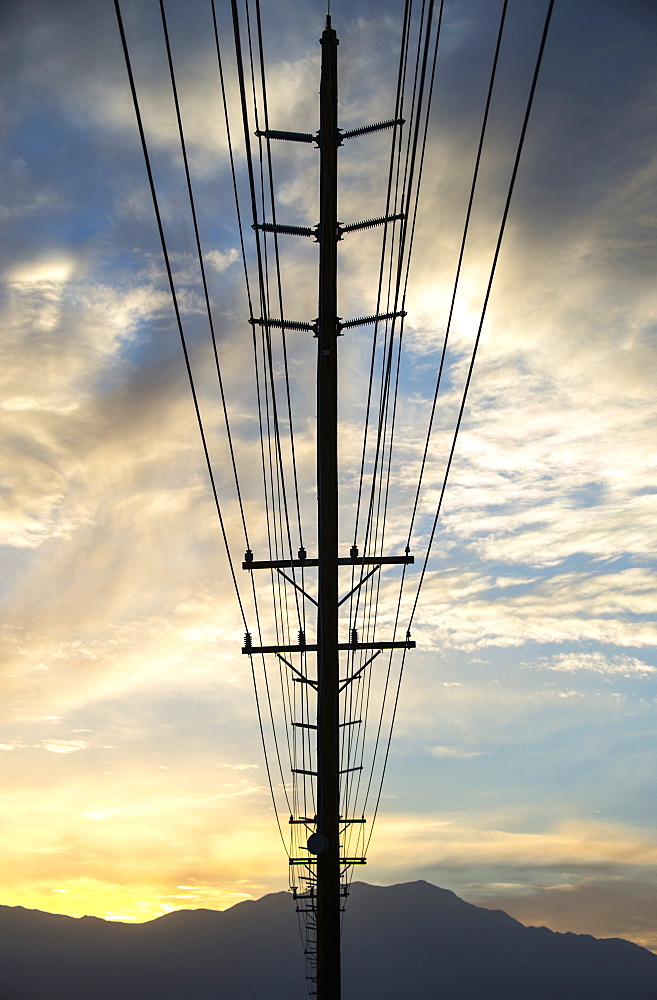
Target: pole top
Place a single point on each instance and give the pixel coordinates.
(329, 32)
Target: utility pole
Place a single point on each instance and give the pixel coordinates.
(328, 721)
(325, 888)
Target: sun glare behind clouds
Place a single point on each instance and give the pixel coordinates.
(522, 768)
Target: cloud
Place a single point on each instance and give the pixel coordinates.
(24, 197)
(117, 601)
(129, 841)
(449, 842)
(64, 746)
(220, 261)
(451, 751)
(608, 607)
(579, 876)
(625, 666)
(239, 767)
(616, 906)
(63, 336)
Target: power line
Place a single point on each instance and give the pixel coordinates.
(498, 245)
(455, 287)
(181, 332)
(370, 686)
(199, 252)
(174, 299)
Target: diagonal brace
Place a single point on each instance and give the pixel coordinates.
(303, 677)
(300, 589)
(358, 585)
(349, 680)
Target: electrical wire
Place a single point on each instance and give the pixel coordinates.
(498, 245)
(368, 683)
(174, 298)
(199, 251)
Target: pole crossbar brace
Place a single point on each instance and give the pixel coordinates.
(342, 561)
(312, 648)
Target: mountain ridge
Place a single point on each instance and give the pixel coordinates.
(407, 940)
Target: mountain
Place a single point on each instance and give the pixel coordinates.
(402, 942)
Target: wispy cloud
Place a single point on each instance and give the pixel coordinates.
(536, 627)
(451, 751)
(626, 666)
(64, 746)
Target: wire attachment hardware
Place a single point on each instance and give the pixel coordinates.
(352, 133)
(368, 320)
(272, 133)
(353, 227)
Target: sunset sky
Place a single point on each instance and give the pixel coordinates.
(522, 769)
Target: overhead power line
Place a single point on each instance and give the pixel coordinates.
(299, 733)
(489, 285)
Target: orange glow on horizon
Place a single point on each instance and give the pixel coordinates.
(124, 903)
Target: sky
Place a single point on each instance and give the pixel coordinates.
(521, 773)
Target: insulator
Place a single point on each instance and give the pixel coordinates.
(353, 552)
(353, 636)
(248, 643)
(302, 637)
(248, 556)
(302, 553)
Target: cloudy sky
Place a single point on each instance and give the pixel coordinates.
(522, 767)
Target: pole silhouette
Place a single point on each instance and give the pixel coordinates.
(328, 754)
(326, 864)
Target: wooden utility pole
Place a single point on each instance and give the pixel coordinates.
(325, 885)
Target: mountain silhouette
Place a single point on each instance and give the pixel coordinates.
(402, 942)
